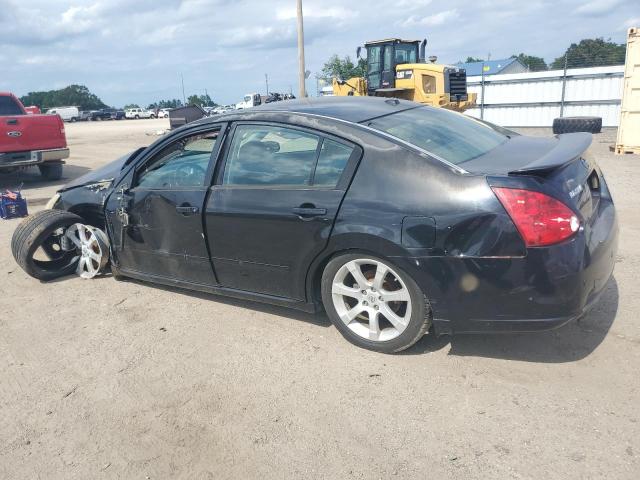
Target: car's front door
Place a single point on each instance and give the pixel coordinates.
(272, 208)
(155, 213)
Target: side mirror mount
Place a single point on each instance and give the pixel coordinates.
(358, 52)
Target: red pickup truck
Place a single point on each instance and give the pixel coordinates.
(27, 140)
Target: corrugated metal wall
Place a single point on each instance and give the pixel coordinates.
(533, 99)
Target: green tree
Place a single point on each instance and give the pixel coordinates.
(473, 60)
(533, 63)
(343, 68)
(130, 105)
(73, 95)
(173, 103)
(201, 100)
(592, 52)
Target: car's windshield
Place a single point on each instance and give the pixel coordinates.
(452, 136)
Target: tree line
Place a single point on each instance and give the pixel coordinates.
(80, 96)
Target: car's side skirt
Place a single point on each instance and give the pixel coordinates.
(219, 290)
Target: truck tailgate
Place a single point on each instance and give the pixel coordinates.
(22, 133)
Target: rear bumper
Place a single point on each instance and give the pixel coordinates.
(33, 157)
(547, 288)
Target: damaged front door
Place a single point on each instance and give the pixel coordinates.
(155, 215)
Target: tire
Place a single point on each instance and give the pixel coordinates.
(137, 117)
(74, 119)
(577, 124)
(51, 171)
(152, 116)
(30, 236)
(417, 310)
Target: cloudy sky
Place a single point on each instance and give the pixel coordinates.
(133, 51)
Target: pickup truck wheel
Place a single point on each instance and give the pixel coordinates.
(137, 117)
(152, 116)
(55, 243)
(51, 171)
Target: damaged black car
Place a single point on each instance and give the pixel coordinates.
(394, 217)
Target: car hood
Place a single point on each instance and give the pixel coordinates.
(103, 175)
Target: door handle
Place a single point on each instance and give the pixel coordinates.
(187, 210)
(12, 121)
(309, 211)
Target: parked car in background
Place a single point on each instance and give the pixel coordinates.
(102, 114)
(30, 139)
(136, 113)
(31, 110)
(164, 113)
(67, 114)
(392, 216)
(115, 114)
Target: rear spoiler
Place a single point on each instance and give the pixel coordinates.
(569, 147)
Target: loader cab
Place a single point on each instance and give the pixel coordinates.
(382, 58)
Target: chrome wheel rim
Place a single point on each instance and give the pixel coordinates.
(371, 299)
(92, 245)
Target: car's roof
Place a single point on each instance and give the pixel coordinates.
(350, 109)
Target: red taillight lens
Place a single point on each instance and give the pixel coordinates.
(540, 219)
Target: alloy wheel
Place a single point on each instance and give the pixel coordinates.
(371, 299)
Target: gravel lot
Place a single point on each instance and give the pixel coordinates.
(106, 379)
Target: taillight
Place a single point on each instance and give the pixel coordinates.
(540, 219)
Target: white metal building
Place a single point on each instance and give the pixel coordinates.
(533, 99)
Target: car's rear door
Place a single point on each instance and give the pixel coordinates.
(272, 207)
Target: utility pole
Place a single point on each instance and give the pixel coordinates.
(301, 71)
(266, 81)
(184, 99)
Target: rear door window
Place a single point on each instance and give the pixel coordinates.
(266, 155)
(331, 163)
(271, 155)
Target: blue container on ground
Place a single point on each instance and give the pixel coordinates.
(12, 205)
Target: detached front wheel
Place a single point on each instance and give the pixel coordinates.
(55, 243)
(373, 303)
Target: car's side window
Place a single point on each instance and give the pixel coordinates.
(270, 155)
(331, 163)
(183, 163)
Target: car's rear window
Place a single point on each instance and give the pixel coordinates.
(8, 106)
(450, 135)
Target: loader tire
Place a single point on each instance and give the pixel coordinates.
(577, 124)
(32, 233)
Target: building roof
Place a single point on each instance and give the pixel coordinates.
(491, 67)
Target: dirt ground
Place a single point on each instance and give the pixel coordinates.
(107, 379)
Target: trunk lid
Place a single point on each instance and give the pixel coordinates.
(562, 164)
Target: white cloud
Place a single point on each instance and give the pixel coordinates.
(597, 7)
(430, 20)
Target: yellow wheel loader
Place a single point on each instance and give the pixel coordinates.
(397, 68)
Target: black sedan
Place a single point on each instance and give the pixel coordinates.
(394, 217)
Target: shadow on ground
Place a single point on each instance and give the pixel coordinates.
(569, 343)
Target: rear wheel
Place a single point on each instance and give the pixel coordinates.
(55, 243)
(373, 303)
(51, 171)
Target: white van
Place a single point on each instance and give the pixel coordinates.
(68, 114)
(250, 100)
